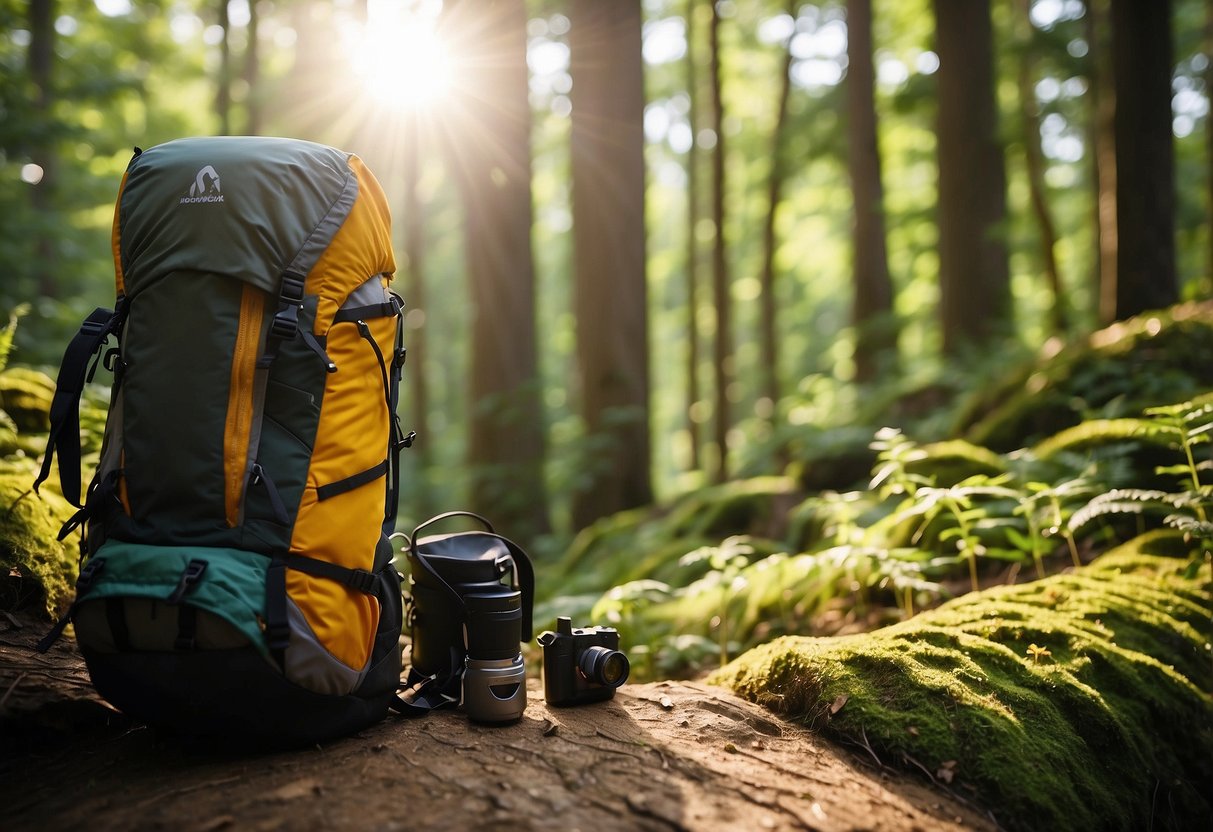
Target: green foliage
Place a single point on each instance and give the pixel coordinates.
(1080, 701)
(1151, 360)
(937, 519)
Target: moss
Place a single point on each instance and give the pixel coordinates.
(26, 394)
(35, 567)
(1112, 729)
(1153, 359)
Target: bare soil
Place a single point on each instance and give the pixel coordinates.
(659, 756)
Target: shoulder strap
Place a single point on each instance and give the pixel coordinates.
(74, 371)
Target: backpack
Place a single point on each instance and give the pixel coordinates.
(237, 575)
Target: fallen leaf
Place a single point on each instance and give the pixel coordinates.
(838, 703)
(913, 731)
(550, 728)
(947, 771)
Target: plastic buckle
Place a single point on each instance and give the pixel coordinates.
(292, 288)
(191, 575)
(278, 637)
(89, 574)
(285, 324)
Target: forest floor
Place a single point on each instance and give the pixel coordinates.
(659, 756)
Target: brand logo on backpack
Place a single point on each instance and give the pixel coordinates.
(205, 187)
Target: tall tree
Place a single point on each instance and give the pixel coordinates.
(414, 251)
(1035, 163)
(223, 92)
(973, 273)
(252, 73)
(1145, 159)
(1208, 283)
(1102, 139)
(692, 232)
(872, 307)
(769, 325)
(489, 141)
(607, 151)
(722, 352)
(41, 63)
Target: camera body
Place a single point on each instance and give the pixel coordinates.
(581, 664)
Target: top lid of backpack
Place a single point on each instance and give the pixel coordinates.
(247, 207)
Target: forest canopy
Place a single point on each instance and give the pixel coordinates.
(705, 231)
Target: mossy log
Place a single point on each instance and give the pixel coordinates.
(1081, 701)
(36, 568)
(1154, 359)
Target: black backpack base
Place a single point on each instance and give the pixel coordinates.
(233, 698)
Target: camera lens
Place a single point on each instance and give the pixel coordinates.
(494, 624)
(604, 666)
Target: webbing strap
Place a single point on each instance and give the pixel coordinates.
(277, 625)
(333, 489)
(64, 436)
(356, 579)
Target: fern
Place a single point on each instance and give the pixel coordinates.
(9, 331)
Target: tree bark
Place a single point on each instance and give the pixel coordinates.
(973, 272)
(489, 139)
(252, 74)
(723, 344)
(416, 305)
(692, 255)
(1208, 281)
(1103, 158)
(41, 63)
(1035, 163)
(607, 150)
(1145, 162)
(872, 307)
(770, 325)
(223, 92)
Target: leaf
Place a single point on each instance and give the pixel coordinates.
(947, 771)
(836, 706)
(666, 702)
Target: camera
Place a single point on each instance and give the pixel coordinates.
(581, 664)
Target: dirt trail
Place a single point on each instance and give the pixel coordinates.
(659, 756)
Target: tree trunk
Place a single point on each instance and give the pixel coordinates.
(692, 255)
(42, 193)
(607, 150)
(723, 346)
(1035, 163)
(769, 337)
(1103, 158)
(973, 273)
(489, 138)
(1145, 166)
(1207, 285)
(223, 92)
(872, 308)
(415, 300)
(252, 74)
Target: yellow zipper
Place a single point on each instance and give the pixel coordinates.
(236, 436)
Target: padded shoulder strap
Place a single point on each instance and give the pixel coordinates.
(65, 407)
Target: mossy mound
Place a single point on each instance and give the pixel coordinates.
(25, 395)
(1153, 359)
(35, 567)
(1081, 701)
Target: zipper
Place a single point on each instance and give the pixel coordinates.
(238, 428)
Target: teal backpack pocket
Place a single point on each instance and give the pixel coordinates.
(160, 598)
